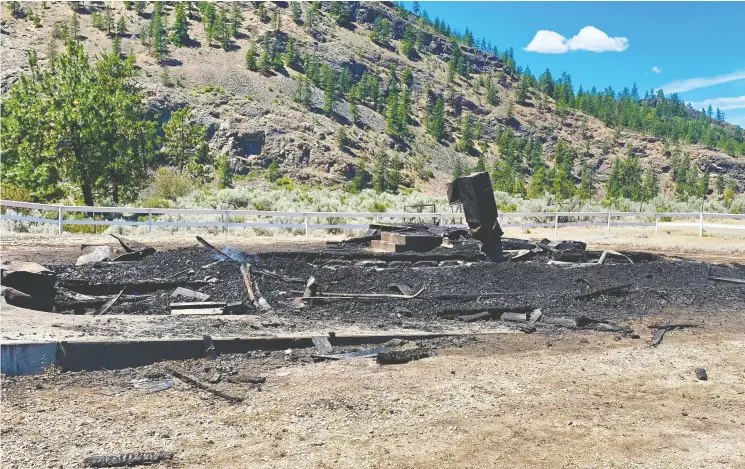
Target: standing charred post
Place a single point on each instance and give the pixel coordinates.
(474, 192)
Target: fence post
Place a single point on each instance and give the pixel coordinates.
(227, 222)
(149, 220)
(556, 223)
(656, 223)
(59, 220)
(442, 219)
(607, 230)
(701, 224)
(305, 221)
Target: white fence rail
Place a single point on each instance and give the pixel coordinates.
(56, 215)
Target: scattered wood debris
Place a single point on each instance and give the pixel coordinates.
(94, 254)
(196, 383)
(210, 353)
(657, 337)
(128, 459)
(728, 280)
(322, 344)
(603, 291)
(189, 294)
(107, 306)
(397, 357)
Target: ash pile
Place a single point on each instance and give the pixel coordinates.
(415, 276)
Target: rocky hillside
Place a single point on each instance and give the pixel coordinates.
(253, 117)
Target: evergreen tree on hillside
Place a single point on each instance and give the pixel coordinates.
(182, 138)
(158, 34)
(522, 92)
(586, 189)
(295, 12)
(180, 31)
(380, 172)
(251, 63)
(437, 120)
(563, 181)
(625, 179)
(546, 83)
(121, 26)
(236, 19)
(650, 186)
(465, 141)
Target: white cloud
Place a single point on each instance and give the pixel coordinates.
(735, 102)
(656, 69)
(548, 42)
(589, 38)
(680, 86)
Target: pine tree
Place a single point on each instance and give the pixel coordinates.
(650, 185)
(709, 111)
(586, 188)
(380, 172)
(276, 21)
(465, 141)
(224, 172)
(273, 173)
(459, 170)
(416, 8)
(340, 13)
(329, 93)
(74, 26)
(265, 61)
(393, 179)
(180, 32)
(341, 139)
(302, 93)
(492, 94)
(116, 47)
(437, 120)
(391, 115)
(108, 18)
(296, 12)
(522, 92)
(563, 185)
(251, 58)
(121, 27)
(729, 195)
(480, 164)
(402, 114)
(222, 30)
(719, 184)
(51, 49)
(310, 17)
(236, 19)
(158, 34)
(538, 183)
(181, 138)
(702, 188)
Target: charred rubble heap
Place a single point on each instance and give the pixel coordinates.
(541, 283)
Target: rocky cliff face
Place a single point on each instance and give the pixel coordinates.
(252, 117)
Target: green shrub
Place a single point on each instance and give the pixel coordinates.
(170, 184)
(378, 207)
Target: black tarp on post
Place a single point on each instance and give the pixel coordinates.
(474, 192)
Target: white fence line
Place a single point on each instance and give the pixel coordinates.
(552, 219)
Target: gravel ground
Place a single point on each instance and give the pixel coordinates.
(580, 400)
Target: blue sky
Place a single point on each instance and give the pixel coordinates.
(696, 49)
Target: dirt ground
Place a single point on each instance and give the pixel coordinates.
(568, 399)
(581, 400)
(717, 246)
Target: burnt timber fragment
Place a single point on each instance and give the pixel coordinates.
(474, 192)
(128, 459)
